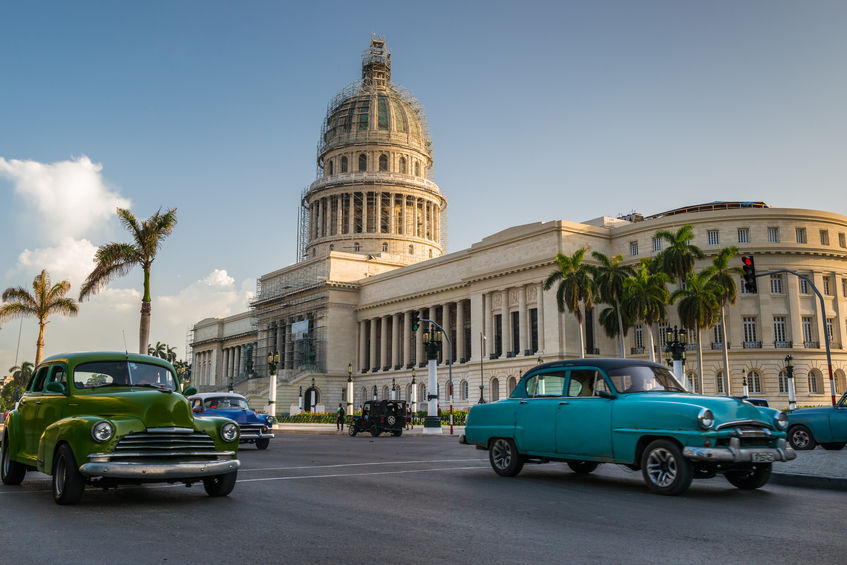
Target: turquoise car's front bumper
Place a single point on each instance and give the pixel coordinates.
(737, 454)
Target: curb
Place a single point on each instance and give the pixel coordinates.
(810, 481)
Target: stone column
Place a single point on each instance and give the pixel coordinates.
(506, 325)
(522, 320)
(378, 211)
(460, 329)
(363, 342)
(395, 340)
(407, 329)
(419, 349)
(391, 226)
(489, 324)
(372, 358)
(351, 216)
(383, 341)
(539, 304)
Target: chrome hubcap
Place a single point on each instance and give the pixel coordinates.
(801, 439)
(59, 475)
(661, 467)
(501, 454)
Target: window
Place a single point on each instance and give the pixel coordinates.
(814, 386)
(382, 112)
(827, 287)
(385, 247)
(402, 165)
(717, 337)
(533, 329)
(749, 329)
(830, 322)
(582, 382)
(720, 383)
(344, 164)
(773, 235)
(363, 162)
(842, 241)
(463, 388)
(633, 248)
(383, 162)
(692, 383)
(639, 337)
(657, 244)
(783, 382)
(330, 168)
(363, 110)
(356, 247)
(843, 287)
(411, 250)
(779, 329)
(824, 237)
(754, 383)
(495, 390)
(807, 329)
(743, 287)
(545, 385)
(804, 287)
(776, 284)
(713, 237)
(800, 235)
(417, 168)
(743, 235)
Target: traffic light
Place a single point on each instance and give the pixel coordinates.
(749, 273)
(416, 320)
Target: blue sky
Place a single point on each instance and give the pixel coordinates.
(537, 110)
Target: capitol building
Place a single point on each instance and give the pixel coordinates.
(372, 250)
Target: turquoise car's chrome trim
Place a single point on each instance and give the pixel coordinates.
(737, 454)
(159, 471)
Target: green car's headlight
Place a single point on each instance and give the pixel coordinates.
(780, 420)
(706, 419)
(229, 431)
(102, 431)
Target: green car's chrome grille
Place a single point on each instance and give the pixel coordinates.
(162, 444)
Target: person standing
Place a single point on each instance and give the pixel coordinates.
(339, 418)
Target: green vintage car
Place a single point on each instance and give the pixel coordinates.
(105, 419)
(591, 411)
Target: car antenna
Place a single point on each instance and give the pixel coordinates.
(126, 349)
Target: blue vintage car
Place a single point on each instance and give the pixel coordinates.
(591, 411)
(827, 425)
(254, 428)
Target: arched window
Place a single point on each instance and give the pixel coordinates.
(385, 247)
(344, 164)
(422, 395)
(495, 390)
(364, 396)
(430, 253)
(720, 383)
(783, 382)
(330, 167)
(839, 381)
(417, 168)
(411, 250)
(356, 247)
(402, 165)
(754, 383)
(363, 162)
(512, 384)
(331, 246)
(814, 384)
(463, 387)
(385, 393)
(692, 382)
(383, 162)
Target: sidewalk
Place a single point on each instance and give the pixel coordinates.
(818, 468)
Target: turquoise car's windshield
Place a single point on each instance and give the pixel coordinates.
(641, 378)
(122, 373)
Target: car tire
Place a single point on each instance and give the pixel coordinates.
(391, 420)
(263, 442)
(582, 467)
(220, 485)
(11, 472)
(665, 469)
(750, 479)
(833, 445)
(504, 458)
(374, 430)
(801, 438)
(397, 433)
(68, 484)
(352, 430)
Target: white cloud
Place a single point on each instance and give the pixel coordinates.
(70, 197)
(72, 260)
(219, 277)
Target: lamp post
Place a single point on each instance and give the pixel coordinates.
(312, 396)
(481, 374)
(300, 400)
(432, 342)
(789, 370)
(273, 363)
(349, 389)
(393, 389)
(675, 351)
(413, 397)
(745, 392)
(540, 359)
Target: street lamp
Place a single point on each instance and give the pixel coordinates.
(413, 396)
(312, 396)
(481, 374)
(349, 389)
(540, 359)
(744, 390)
(789, 370)
(675, 350)
(273, 361)
(393, 389)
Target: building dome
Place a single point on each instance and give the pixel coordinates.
(373, 194)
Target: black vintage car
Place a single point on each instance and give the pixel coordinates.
(380, 416)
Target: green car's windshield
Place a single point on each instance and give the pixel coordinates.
(122, 373)
(641, 378)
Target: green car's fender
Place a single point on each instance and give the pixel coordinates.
(76, 432)
(15, 438)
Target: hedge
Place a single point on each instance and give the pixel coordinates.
(329, 418)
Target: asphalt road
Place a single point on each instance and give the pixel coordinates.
(335, 499)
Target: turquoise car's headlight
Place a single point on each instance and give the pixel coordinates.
(102, 431)
(229, 431)
(780, 420)
(706, 419)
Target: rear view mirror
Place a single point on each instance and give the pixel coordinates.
(55, 387)
(190, 391)
(605, 394)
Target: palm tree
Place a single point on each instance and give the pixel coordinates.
(698, 308)
(610, 319)
(159, 351)
(45, 299)
(117, 259)
(645, 297)
(575, 289)
(677, 260)
(724, 277)
(609, 277)
(21, 373)
(170, 354)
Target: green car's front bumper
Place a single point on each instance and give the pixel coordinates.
(158, 471)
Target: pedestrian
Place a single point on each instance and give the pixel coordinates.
(339, 418)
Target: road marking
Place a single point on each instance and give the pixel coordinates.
(363, 464)
(357, 474)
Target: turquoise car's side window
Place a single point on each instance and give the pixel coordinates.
(545, 385)
(585, 382)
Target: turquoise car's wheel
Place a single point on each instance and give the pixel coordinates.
(68, 483)
(801, 438)
(11, 472)
(582, 467)
(665, 469)
(220, 485)
(750, 479)
(504, 458)
(262, 443)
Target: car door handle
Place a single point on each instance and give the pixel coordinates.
(562, 403)
(38, 402)
(523, 401)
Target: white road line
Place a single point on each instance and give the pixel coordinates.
(357, 474)
(363, 464)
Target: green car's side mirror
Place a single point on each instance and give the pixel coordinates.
(55, 387)
(190, 391)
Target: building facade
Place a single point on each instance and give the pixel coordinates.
(372, 252)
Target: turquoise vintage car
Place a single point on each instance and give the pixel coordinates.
(105, 419)
(826, 425)
(591, 411)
